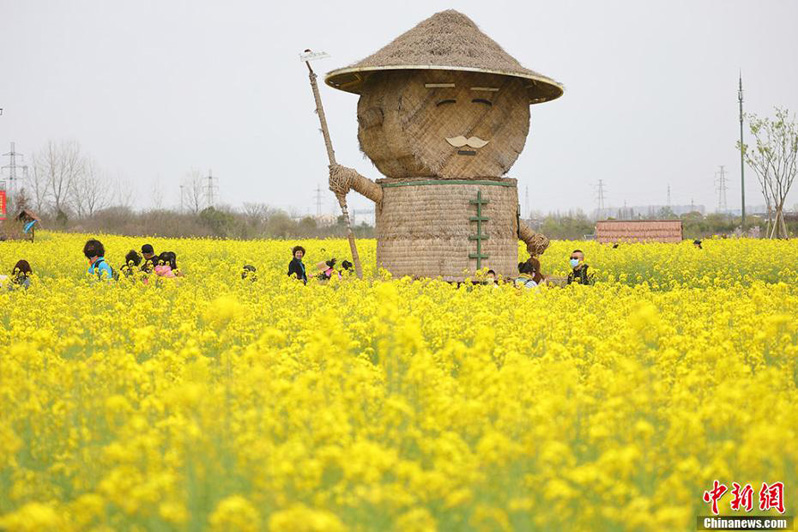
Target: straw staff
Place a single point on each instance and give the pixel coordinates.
(307, 57)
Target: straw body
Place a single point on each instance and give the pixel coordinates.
(429, 228)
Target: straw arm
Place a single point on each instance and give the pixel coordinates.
(343, 178)
(536, 243)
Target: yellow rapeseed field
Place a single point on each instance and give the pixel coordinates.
(214, 403)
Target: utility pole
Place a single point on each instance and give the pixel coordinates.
(669, 196)
(742, 150)
(209, 190)
(600, 199)
(12, 170)
(318, 201)
(720, 187)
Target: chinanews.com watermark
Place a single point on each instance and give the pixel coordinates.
(741, 500)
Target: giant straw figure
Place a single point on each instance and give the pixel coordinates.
(443, 114)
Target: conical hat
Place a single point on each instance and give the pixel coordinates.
(447, 40)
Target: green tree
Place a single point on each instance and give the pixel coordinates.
(774, 159)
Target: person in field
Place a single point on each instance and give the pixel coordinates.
(94, 251)
(327, 269)
(526, 275)
(167, 265)
(150, 258)
(19, 278)
(347, 269)
(296, 267)
(697, 244)
(132, 261)
(490, 278)
(579, 269)
(249, 272)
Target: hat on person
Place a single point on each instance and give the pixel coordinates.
(147, 248)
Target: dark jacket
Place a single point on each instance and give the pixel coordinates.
(580, 276)
(148, 265)
(297, 269)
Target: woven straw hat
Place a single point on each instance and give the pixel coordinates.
(447, 40)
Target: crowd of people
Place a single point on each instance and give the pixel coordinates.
(529, 273)
(164, 265)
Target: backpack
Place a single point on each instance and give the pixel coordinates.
(99, 273)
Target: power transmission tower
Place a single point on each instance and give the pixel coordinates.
(600, 199)
(318, 201)
(210, 190)
(526, 203)
(12, 167)
(720, 188)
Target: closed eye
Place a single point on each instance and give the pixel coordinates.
(482, 100)
(442, 102)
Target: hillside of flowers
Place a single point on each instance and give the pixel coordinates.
(211, 402)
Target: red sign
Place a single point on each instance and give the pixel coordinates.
(2, 204)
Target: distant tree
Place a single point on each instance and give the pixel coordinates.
(192, 192)
(256, 213)
(774, 159)
(124, 195)
(90, 190)
(57, 166)
(219, 222)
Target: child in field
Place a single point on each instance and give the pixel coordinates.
(167, 265)
(249, 272)
(132, 260)
(347, 269)
(327, 269)
(526, 275)
(20, 276)
(579, 273)
(94, 252)
(296, 268)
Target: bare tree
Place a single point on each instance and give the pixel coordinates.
(775, 161)
(256, 213)
(37, 183)
(156, 201)
(124, 195)
(89, 191)
(192, 192)
(59, 165)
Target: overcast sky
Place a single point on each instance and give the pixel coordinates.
(152, 89)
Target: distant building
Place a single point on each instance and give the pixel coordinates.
(611, 231)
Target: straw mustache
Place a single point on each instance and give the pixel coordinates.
(460, 141)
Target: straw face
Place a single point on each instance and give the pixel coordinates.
(451, 125)
(446, 41)
(426, 228)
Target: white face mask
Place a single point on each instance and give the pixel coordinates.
(574, 263)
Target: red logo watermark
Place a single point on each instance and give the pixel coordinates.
(771, 497)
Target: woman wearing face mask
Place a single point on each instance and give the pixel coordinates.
(579, 274)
